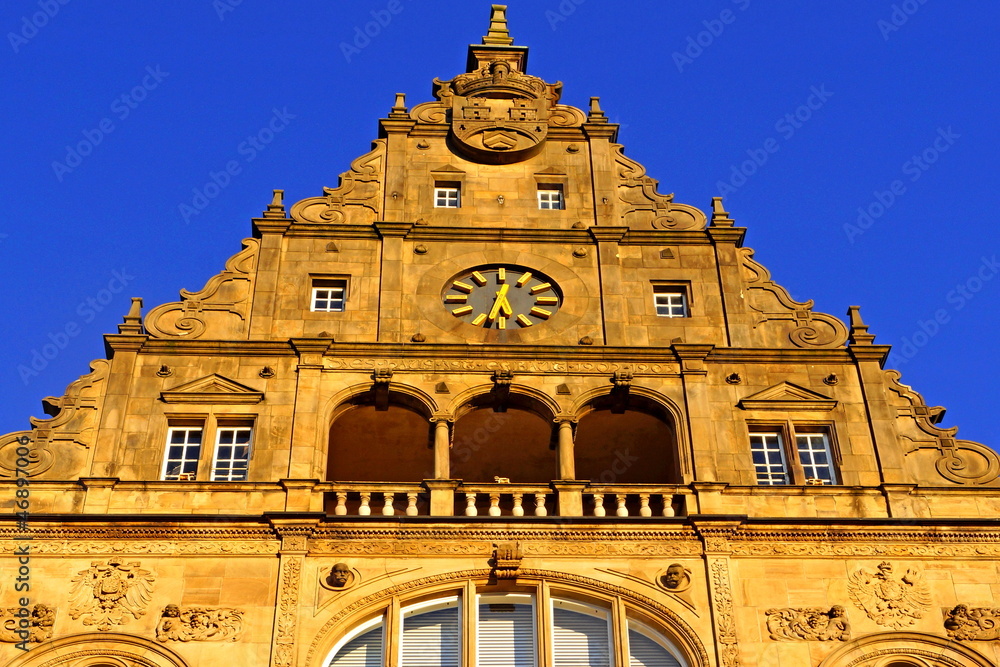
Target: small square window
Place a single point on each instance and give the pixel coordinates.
(670, 301)
(447, 195)
(768, 452)
(329, 295)
(232, 453)
(183, 451)
(550, 198)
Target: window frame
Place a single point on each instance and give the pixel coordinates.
(211, 425)
(231, 426)
(318, 283)
(443, 191)
(682, 289)
(546, 190)
(182, 425)
(788, 434)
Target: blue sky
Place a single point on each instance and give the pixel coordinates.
(856, 140)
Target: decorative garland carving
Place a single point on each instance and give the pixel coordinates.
(207, 548)
(199, 624)
(666, 369)
(36, 627)
(979, 624)
(548, 548)
(773, 303)
(808, 624)
(288, 597)
(678, 623)
(229, 292)
(356, 200)
(722, 602)
(890, 601)
(109, 592)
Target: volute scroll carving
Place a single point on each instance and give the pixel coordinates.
(220, 310)
(642, 207)
(357, 200)
(772, 304)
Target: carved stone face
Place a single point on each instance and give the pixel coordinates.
(340, 575)
(674, 576)
(172, 610)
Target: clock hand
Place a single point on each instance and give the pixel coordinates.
(501, 303)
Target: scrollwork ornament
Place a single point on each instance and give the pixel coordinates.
(808, 624)
(18, 625)
(725, 621)
(981, 624)
(199, 624)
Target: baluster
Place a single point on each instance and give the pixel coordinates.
(517, 510)
(470, 504)
(622, 510)
(644, 505)
(365, 509)
(387, 508)
(599, 505)
(494, 504)
(411, 504)
(668, 504)
(540, 504)
(341, 507)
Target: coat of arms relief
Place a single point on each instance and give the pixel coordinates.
(889, 600)
(108, 593)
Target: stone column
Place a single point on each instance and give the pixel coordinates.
(442, 445)
(567, 460)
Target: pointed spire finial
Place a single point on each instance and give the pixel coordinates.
(859, 330)
(498, 33)
(596, 115)
(720, 217)
(276, 209)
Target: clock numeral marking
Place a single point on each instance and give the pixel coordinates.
(541, 312)
(523, 321)
(547, 300)
(524, 278)
(456, 298)
(540, 287)
(479, 278)
(501, 276)
(501, 322)
(462, 287)
(462, 310)
(480, 318)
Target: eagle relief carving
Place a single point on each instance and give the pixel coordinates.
(890, 601)
(108, 593)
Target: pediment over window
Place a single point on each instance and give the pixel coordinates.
(214, 389)
(787, 396)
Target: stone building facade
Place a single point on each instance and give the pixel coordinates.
(495, 400)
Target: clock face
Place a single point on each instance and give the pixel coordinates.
(502, 297)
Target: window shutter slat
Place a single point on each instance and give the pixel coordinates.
(431, 639)
(644, 652)
(506, 636)
(579, 639)
(362, 651)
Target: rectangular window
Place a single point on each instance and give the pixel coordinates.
(232, 453)
(183, 451)
(768, 452)
(670, 301)
(329, 295)
(814, 455)
(447, 195)
(550, 198)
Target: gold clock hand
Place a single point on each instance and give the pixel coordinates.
(501, 302)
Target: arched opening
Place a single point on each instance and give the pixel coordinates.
(368, 444)
(631, 444)
(512, 440)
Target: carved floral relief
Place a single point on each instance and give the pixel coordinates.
(966, 623)
(199, 624)
(888, 600)
(808, 624)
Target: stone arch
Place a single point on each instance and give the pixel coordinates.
(395, 428)
(904, 649)
(638, 440)
(665, 619)
(500, 433)
(99, 649)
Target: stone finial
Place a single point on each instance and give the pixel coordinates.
(498, 33)
(859, 330)
(132, 323)
(595, 114)
(720, 218)
(276, 209)
(399, 107)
